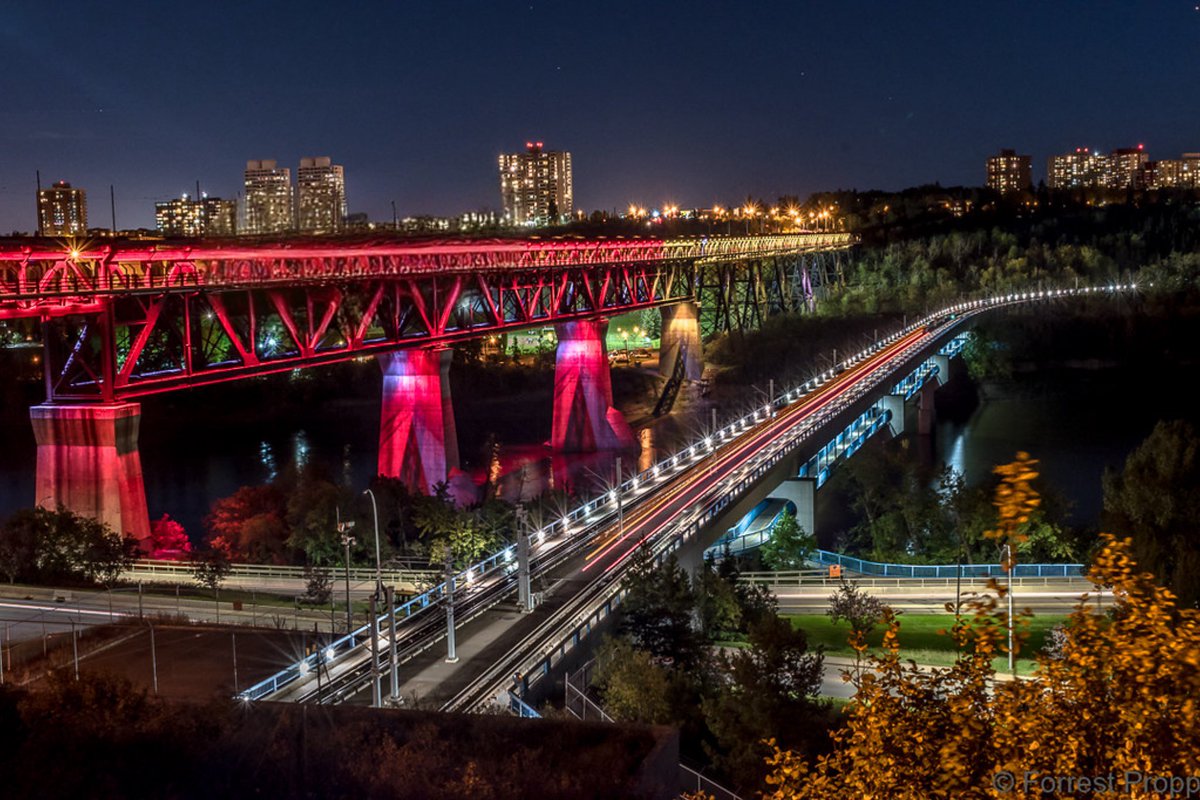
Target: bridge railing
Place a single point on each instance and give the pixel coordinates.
(147, 569)
(885, 570)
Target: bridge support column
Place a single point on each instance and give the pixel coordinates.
(681, 328)
(88, 461)
(418, 442)
(943, 365)
(895, 404)
(584, 417)
(802, 492)
(925, 410)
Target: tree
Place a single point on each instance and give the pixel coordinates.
(250, 524)
(635, 686)
(18, 545)
(861, 611)
(772, 690)
(312, 518)
(789, 546)
(1156, 499)
(48, 546)
(717, 602)
(210, 567)
(168, 539)
(1118, 699)
(656, 612)
(318, 585)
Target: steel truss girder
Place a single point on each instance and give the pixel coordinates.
(62, 278)
(137, 345)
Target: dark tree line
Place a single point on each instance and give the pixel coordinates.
(710, 655)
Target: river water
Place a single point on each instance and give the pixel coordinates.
(1076, 421)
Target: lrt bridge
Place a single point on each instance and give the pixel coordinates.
(127, 320)
(685, 501)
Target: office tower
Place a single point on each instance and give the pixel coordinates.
(535, 186)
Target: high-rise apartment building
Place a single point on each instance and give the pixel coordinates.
(62, 210)
(1080, 169)
(268, 198)
(535, 186)
(1009, 172)
(203, 216)
(1123, 168)
(321, 187)
(1173, 173)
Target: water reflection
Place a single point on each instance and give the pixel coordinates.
(266, 457)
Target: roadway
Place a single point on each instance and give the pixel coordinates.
(590, 563)
(923, 596)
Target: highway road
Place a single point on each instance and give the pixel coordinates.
(1048, 597)
(581, 565)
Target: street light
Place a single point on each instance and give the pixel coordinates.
(378, 564)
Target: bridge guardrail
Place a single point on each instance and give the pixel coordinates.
(883, 570)
(149, 568)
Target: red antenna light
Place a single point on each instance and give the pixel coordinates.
(539, 144)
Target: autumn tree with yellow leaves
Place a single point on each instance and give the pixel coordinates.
(1121, 700)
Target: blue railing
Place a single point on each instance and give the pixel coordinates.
(882, 570)
(519, 707)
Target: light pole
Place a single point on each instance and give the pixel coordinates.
(378, 563)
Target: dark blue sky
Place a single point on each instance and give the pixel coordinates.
(690, 102)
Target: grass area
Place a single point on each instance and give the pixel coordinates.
(924, 638)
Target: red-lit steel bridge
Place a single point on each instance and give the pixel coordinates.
(123, 321)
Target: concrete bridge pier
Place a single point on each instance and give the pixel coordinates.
(680, 327)
(584, 416)
(418, 442)
(925, 411)
(88, 462)
(926, 415)
(802, 492)
(895, 404)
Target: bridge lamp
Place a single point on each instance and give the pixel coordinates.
(566, 525)
(303, 667)
(612, 495)
(329, 654)
(708, 443)
(74, 253)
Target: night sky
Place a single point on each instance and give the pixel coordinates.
(691, 103)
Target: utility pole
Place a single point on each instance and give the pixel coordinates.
(620, 506)
(451, 654)
(524, 596)
(390, 594)
(344, 529)
(376, 678)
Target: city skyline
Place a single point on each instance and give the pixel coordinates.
(822, 98)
